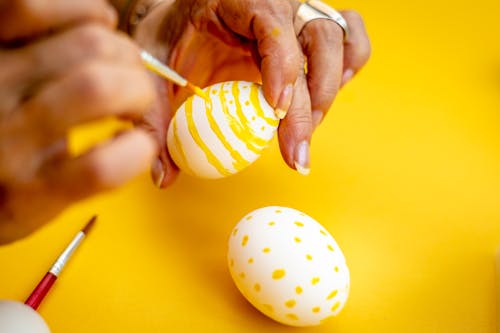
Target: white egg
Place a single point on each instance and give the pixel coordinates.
(221, 135)
(288, 266)
(16, 317)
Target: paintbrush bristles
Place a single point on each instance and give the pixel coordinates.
(89, 225)
(198, 91)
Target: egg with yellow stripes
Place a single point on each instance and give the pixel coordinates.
(288, 266)
(222, 133)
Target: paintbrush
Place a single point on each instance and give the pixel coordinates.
(156, 66)
(51, 276)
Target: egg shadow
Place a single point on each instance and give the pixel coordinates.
(200, 234)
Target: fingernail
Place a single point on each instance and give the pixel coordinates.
(157, 173)
(317, 118)
(302, 158)
(347, 76)
(284, 102)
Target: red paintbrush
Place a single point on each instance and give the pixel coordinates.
(48, 280)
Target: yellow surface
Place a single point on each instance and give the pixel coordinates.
(405, 175)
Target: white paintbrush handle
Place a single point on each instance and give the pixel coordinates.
(161, 69)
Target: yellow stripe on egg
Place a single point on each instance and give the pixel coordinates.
(239, 162)
(244, 131)
(254, 99)
(178, 147)
(212, 159)
(223, 135)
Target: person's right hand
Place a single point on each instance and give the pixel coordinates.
(62, 64)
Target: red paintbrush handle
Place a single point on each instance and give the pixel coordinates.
(41, 290)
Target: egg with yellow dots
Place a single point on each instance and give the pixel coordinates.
(220, 134)
(288, 266)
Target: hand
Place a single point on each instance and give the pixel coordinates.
(253, 40)
(61, 64)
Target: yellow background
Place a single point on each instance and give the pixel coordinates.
(405, 175)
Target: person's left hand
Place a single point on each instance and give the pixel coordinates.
(221, 40)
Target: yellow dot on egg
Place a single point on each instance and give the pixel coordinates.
(253, 118)
(256, 287)
(235, 231)
(299, 224)
(290, 303)
(250, 261)
(292, 316)
(263, 128)
(336, 269)
(330, 248)
(244, 241)
(316, 309)
(271, 223)
(278, 211)
(268, 307)
(309, 257)
(242, 275)
(231, 263)
(297, 239)
(315, 280)
(298, 290)
(266, 250)
(249, 217)
(247, 103)
(332, 294)
(278, 274)
(231, 102)
(335, 306)
(214, 91)
(323, 232)
(245, 87)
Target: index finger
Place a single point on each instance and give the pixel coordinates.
(23, 19)
(270, 23)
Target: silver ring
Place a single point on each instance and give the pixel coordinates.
(315, 9)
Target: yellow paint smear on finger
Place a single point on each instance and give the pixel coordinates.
(276, 32)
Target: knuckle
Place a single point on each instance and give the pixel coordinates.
(95, 38)
(92, 83)
(96, 175)
(353, 16)
(323, 98)
(292, 60)
(301, 118)
(363, 52)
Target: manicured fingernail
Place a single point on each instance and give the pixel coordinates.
(284, 102)
(157, 173)
(317, 118)
(347, 76)
(302, 158)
